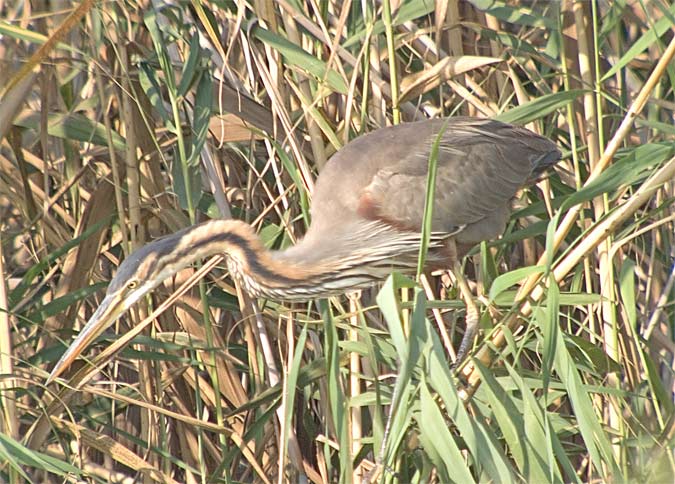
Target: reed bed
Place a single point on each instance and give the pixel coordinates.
(124, 121)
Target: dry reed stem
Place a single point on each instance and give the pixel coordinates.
(596, 235)
(9, 422)
(266, 192)
(40, 428)
(529, 287)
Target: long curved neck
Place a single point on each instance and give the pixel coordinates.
(247, 259)
(309, 269)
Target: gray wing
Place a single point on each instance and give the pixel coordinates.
(481, 166)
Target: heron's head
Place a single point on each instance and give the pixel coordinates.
(140, 273)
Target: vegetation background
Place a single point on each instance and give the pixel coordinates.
(123, 121)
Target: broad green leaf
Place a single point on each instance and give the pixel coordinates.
(389, 304)
(301, 59)
(399, 420)
(595, 438)
(626, 170)
(539, 107)
(508, 298)
(658, 29)
(159, 43)
(191, 70)
(184, 188)
(405, 390)
(509, 279)
(292, 381)
(583, 350)
(532, 230)
(515, 45)
(72, 127)
(12, 451)
(318, 116)
(153, 91)
(519, 15)
(336, 395)
(374, 355)
(438, 442)
(201, 117)
(522, 425)
(550, 329)
(42, 311)
(427, 218)
(628, 291)
(15, 32)
(662, 395)
(543, 447)
(480, 439)
(508, 417)
(407, 10)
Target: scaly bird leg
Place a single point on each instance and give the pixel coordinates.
(472, 313)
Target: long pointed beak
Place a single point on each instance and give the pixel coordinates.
(110, 309)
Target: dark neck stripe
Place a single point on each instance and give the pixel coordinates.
(252, 256)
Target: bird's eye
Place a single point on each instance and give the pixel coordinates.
(133, 284)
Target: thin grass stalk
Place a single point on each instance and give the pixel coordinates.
(9, 421)
(391, 53)
(438, 319)
(267, 79)
(365, 66)
(377, 89)
(355, 420)
(592, 128)
(40, 55)
(114, 163)
(181, 417)
(353, 92)
(287, 394)
(337, 404)
(274, 377)
(176, 102)
(662, 301)
(605, 252)
(44, 231)
(341, 32)
(146, 378)
(315, 138)
(574, 149)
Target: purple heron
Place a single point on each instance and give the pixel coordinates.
(367, 213)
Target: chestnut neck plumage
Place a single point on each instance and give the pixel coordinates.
(296, 273)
